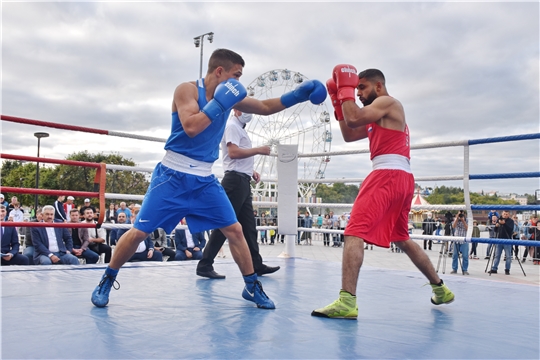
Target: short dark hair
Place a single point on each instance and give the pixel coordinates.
(372, 75)
(224, 58)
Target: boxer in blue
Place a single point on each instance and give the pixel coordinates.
(182, 184)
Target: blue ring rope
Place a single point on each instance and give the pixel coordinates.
(505, 176)
(506, 241)
(505, 138)
(505, 207)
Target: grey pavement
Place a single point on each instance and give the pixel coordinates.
(384, 258)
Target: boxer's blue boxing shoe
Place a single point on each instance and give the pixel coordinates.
(100, 296)
(253, 291)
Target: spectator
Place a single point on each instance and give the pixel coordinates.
(52, 245)
(159, 238)
(504, 229)
(428, 226)
(460, 226)
(145, 251)
(32, 212)
(534, 230)
(335, 237)
(319, 221)
(10, 244)
(263, 232)
(515, 236)
(59, 212)
(5, 203)
(11, 205)
(81, 240)
(97, 237)
(110, 214)
(110, 217)
(301, 223)
(475, 234)
(114, 236)
(87, 205)
(272, 232)
(526, 235)
(188, 246)
(326, 224)
(493, 213)
(490, 227)
(68, 206)
(125, 210)
(343, 221)
(28, 244)
(16, 213)
(308, 223)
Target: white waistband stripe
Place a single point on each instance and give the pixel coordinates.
(391, 162)
(186, 164)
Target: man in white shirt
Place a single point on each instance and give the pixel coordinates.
(238, 162)
(17, 214)
(52, 245)
(97, 237)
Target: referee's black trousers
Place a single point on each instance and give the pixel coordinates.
(238, 189)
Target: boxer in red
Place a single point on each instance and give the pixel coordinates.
(380, 212)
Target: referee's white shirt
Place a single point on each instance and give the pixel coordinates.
(235, 134)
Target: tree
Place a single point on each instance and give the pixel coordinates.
(82, 178)
(338, 193)
(452, 195)
(75, 178)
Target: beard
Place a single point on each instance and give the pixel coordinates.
(370, 98)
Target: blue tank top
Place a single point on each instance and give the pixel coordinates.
(204, 146)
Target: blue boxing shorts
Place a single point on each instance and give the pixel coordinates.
(173, 195)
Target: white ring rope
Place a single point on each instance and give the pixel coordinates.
(365, 151)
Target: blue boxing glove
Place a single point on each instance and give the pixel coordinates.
(312, 90)
(228, 93)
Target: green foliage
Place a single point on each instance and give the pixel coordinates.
(531, 199)
(338, 193)
(75, 178)
(455, 196)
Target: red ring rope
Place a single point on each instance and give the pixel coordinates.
(53, 125)
(46, 224)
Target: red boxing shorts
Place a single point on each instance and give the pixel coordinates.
(380, 213)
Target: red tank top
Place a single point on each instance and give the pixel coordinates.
(384, 141)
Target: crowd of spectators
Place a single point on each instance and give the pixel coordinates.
(91, 245)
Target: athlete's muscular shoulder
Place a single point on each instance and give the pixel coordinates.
(394, 115)
(186, 93)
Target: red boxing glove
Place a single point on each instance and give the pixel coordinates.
(332, 91)
(346, 79)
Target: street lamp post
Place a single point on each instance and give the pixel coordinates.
(39, 135)
(199, 41)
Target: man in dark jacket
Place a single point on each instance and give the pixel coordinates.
(504, 228)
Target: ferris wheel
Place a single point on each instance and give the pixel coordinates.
(305, 124)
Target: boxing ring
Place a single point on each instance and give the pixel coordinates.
(163, 310)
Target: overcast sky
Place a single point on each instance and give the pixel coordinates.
(462, 71)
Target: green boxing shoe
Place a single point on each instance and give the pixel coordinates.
(442, 295)
(343, 308)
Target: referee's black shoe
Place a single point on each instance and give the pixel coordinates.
(210, 274)
(265, 270)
